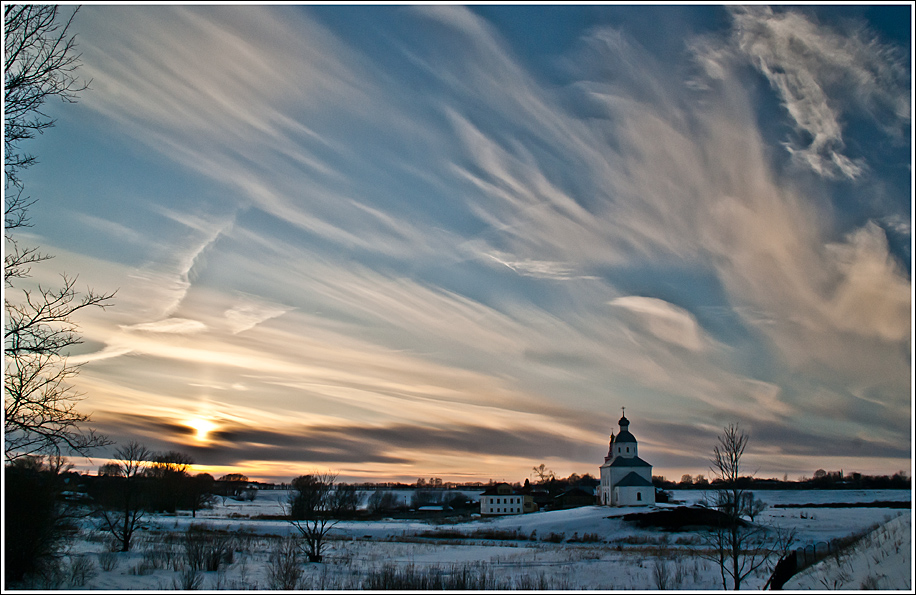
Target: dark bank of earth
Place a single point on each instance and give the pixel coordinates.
(681, 518)
(684, 518)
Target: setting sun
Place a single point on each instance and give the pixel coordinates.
(202, 427)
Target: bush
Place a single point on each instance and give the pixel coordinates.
(80, 570)
(206, 550)
(586, 538)
(188, 580)
(458, 577)
(284, 567)
(108, 561)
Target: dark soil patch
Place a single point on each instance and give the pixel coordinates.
(681, 518)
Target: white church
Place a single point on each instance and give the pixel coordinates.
(626, 480)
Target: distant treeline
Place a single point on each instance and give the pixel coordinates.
(822, 480)
(234, 484)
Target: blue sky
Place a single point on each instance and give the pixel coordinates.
(437, 240)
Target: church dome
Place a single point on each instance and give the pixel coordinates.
(624, 435)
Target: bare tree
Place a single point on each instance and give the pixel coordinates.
(39, 404)
(39, 63)
(311, 510)
(381, 502)
(738, 546)
(344, 500)
(543, 473)
(122, 516)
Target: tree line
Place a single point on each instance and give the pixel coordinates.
(821, 480)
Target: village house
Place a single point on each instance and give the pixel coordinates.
(626, 480)
(504, 499)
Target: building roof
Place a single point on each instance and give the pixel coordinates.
(574, 493)
(629, 462)
(624, 436)
(508, 490)
(633, 479)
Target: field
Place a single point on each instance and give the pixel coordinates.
(584, 548)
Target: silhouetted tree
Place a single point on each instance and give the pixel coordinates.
(123, 507)
(738, 546)
(382, 501)
(169, 479)
(200, 492)
(310, 510)
(543, 473)
(39, 405)
(344, 500)
(235, 486)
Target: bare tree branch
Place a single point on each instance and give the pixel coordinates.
(40, 62)
(39, 404)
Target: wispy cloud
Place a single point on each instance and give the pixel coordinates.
(251, 311)
(806, 64)
(179, 326)
(447, 238)
(664, 320)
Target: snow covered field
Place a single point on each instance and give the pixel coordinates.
(582, 548)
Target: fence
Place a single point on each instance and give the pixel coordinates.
(796, 561)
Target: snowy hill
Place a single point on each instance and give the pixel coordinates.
(881, 560)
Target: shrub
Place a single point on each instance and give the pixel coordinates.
(586, 538)
(284, 567)
(529, 582)
(142, 568)
(456, 577)
(80, 570)
(108, 561)
(206, 550)
(661, 575)
(187, 580)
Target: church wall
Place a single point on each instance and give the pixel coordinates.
(635, 496)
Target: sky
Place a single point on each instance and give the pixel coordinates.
(412, 241)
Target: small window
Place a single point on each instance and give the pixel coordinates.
(628, 449)
(638, 496)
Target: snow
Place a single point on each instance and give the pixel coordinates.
(616, 556)
(882, 560)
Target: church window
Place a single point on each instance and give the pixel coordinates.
(638, 496)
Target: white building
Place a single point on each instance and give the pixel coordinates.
(503, 499)
(626, 480)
